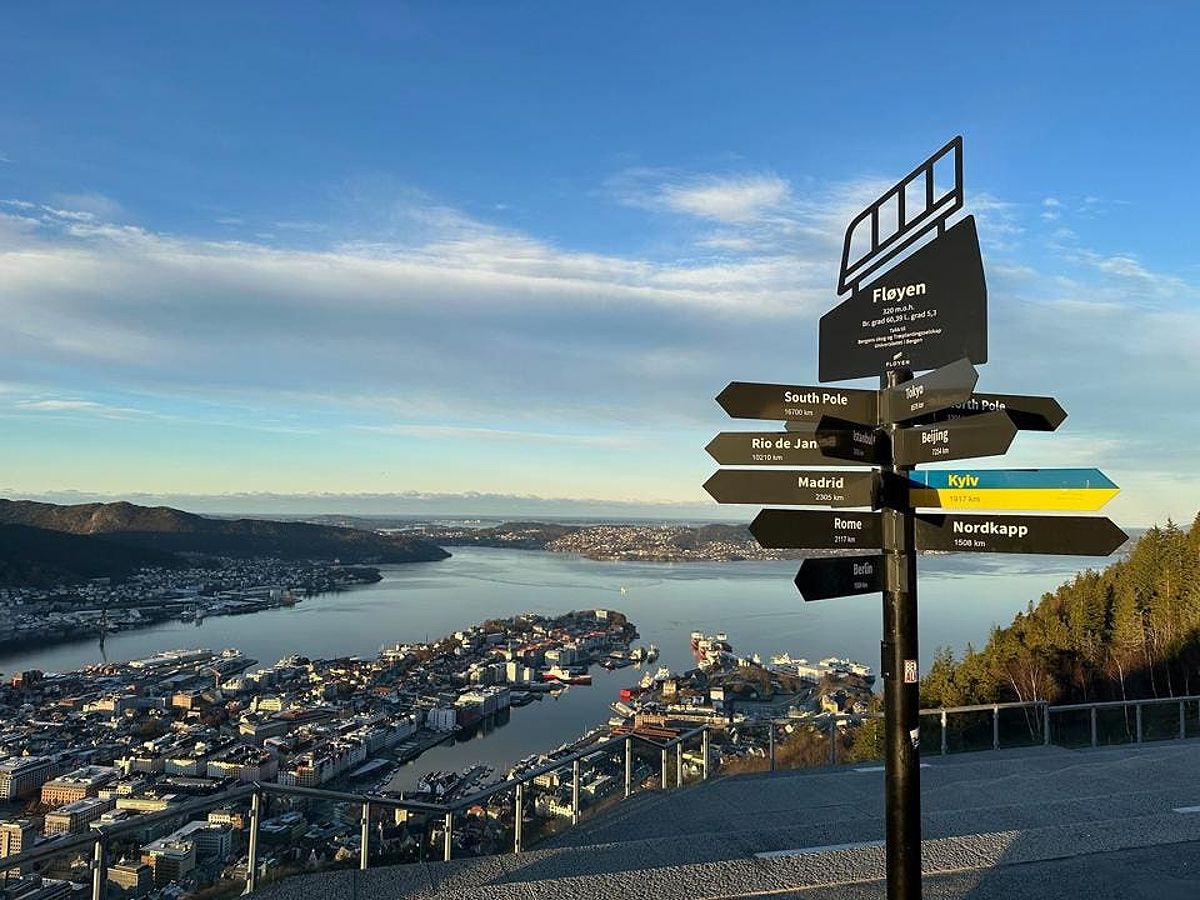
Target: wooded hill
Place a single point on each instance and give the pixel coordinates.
(1131, 630)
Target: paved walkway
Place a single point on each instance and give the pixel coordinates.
(1038, 823)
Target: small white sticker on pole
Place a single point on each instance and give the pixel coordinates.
(910, 671)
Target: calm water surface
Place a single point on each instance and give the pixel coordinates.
(961, 597)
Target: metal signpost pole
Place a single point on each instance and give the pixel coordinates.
(901, 690)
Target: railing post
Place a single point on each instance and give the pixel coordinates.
(1138, 709)
(1045, 724)
(575, 792)
(1182, 722)
(995, 727)
(771, 746)
(664, 767)
(628, 766)
(364, 852)
(252, 852)
(99, 869)
(1095, 732)
(518, 816)
(833, 741)
(943, 732)
(679, 764)
(704, 750)
(447, 849)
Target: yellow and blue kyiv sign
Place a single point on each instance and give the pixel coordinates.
(1074, 489)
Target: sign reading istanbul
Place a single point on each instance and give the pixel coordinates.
(926, 311)
(794, 488)
(747, 400)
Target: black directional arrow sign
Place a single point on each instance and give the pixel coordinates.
(1027, 413)
(748, 400)
(1065, 535)
(984, 435)
(795, 488)
(840, 576)
(769, 448)
(812, 530)
(939, 389)
(845, 440)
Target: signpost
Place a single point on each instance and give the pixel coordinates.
(925, 311)
(839, 576)
(795, 488)
(1083, 490)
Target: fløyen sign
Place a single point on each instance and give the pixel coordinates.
(794, 488)
(926, 311)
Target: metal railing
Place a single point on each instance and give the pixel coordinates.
(1036, 726)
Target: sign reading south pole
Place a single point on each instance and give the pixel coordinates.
(926, 311)
(748, 400)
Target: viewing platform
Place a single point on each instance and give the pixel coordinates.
(1039, 822)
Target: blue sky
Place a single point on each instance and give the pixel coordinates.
(301, 256)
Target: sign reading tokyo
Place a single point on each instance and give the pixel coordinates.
(986, 435)
(926, 311)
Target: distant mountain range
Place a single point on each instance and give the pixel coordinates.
(44, 542)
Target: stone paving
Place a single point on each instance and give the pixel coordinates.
(1043, 822)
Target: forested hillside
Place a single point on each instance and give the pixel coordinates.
(1131, 630)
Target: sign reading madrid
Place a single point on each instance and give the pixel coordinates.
(795, 488)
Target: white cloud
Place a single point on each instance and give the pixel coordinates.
(737, 199)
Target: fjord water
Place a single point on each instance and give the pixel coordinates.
(961, 597)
